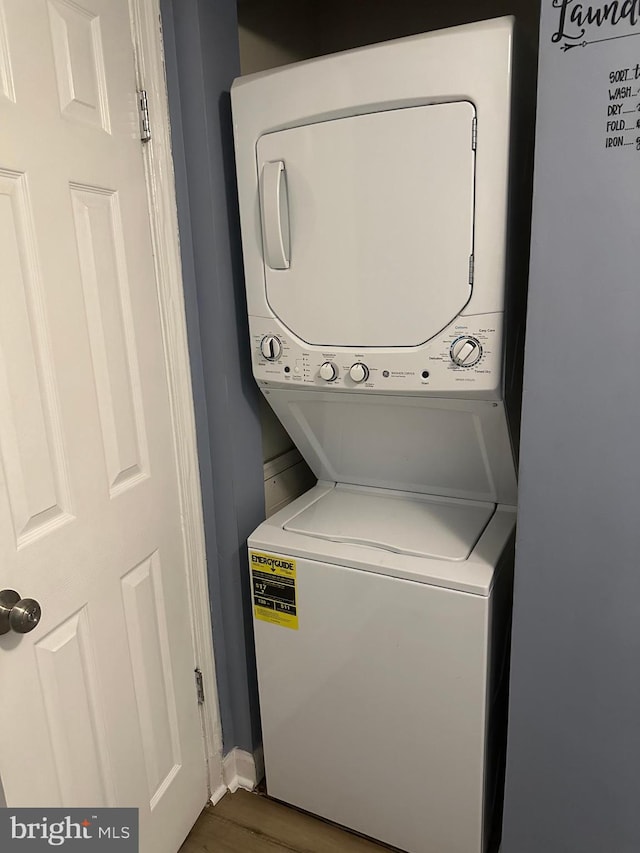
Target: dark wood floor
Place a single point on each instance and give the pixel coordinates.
(251, 823)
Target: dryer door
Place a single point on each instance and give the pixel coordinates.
(367, 225)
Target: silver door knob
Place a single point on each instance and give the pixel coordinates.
(18, 614)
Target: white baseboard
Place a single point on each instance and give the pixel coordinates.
(242, 769)
(218, 794)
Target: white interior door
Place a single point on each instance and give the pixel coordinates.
(98, 702)
(367, 224)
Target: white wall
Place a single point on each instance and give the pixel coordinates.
(345, 24)
(282, 31)
(275, 441)
(258, 52)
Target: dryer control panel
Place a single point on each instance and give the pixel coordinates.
(465, 359)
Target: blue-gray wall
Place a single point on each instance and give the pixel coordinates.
(573, 762)
(201, 55)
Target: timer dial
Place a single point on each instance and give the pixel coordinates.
(465, 352)
(270, 347)
(328, 371)
(359, 372)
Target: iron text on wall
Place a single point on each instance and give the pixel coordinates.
(581, 24)
(623, 108)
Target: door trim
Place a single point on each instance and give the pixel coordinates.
(150, 75)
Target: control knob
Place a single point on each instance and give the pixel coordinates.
(328, 371)
(270, 347)
(465, 352)
(359, 372)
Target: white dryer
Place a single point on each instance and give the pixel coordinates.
(373, 200)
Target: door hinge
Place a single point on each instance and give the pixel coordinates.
(199, 686)
(471, 268)
(145, 126)
(474, 133)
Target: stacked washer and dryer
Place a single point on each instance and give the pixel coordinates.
(373, 192)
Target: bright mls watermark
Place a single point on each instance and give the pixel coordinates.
(36, 830)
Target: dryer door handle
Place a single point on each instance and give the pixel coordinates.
(274, 211)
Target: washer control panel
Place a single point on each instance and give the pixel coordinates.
(359, 372)
(465, 359)
(271, 348)
(466, 351)
(328, 371)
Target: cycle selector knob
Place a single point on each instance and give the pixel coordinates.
(359, 372)
(465, 352)
(328, 371)
(270, 347)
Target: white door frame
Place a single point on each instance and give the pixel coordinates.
(150, 75)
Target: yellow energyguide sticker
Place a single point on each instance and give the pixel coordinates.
(273, 581)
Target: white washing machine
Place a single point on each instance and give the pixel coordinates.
(373, 200)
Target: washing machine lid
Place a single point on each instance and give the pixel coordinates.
(367, 224)
(418, 525)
